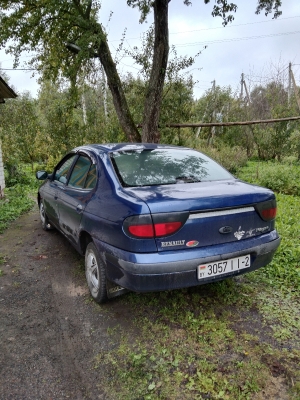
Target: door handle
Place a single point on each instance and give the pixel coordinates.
(79, 208)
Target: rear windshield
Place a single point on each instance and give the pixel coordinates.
(165, 167)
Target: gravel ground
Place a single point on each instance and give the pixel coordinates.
(50, 330)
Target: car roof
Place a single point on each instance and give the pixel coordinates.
(110, 147)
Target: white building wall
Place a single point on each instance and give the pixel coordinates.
(2, 182)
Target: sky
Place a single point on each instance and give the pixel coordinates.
(256, 45)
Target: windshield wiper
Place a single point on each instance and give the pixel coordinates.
(187, 179)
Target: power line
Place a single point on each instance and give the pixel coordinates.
(232, 25)
(219, 27)
(235, 39)
(9, 59)
(18, 69)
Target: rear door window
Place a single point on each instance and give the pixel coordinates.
(91, 178)
(83, 175)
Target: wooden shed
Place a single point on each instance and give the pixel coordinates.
(5, 93)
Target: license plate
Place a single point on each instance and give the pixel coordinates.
(223, 267)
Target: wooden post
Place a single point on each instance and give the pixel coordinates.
(295, 89)
(247, 93)
(242, 87)
(290, 83)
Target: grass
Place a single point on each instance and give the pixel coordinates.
(18, 196)
(2, 261)
(284, 271)
(15, 203)
(280, 177)
(203, 343)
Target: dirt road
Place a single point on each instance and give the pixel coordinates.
(50, 331)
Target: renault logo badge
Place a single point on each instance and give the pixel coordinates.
(225, 229)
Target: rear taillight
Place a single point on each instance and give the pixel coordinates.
(269, 213)
(166, 228)
(144, 231)
(157, 225)
(267, 209)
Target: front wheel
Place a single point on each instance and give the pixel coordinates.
(95, 274)
(44, 219)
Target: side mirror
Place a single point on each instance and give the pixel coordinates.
(41, 175)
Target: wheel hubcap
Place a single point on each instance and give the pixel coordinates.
(92, 270)
(42, 213)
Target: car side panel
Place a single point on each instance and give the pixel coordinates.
(71, 204)
(111, 233)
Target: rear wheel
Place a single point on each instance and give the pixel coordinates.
(44, 219)
(95, 274)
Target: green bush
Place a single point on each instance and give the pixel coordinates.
(232, 158)
(294, 142)
(15, 203)
(14, 175)
(280, 177)
(21, 189)
(284, 271)
(52, 162)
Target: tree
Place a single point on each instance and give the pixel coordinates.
(20, 130)
(44, 27)
(59, 120)
(67, 125)
(271, 101)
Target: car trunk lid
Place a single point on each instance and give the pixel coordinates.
(218, 212)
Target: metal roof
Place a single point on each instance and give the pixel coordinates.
(5, 91)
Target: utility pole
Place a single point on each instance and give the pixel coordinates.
(213, 129)
(247, 93)
(243, 85)
(214, 85)
(295, 88)
(290, 83)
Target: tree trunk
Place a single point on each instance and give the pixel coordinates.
(117, 92)
(156, 83)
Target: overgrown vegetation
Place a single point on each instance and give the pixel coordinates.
(19, 194)
(56, 122)
(16, 202)
(282, 178)
(284, 271)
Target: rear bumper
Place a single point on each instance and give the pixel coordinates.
(178, 269)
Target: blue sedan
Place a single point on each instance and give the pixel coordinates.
(153, 217)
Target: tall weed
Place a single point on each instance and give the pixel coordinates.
(284, 271)
(232, 158)
(15, 203)
(280, 177)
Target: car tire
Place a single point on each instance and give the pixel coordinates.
(95, 274)
(44, 219)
